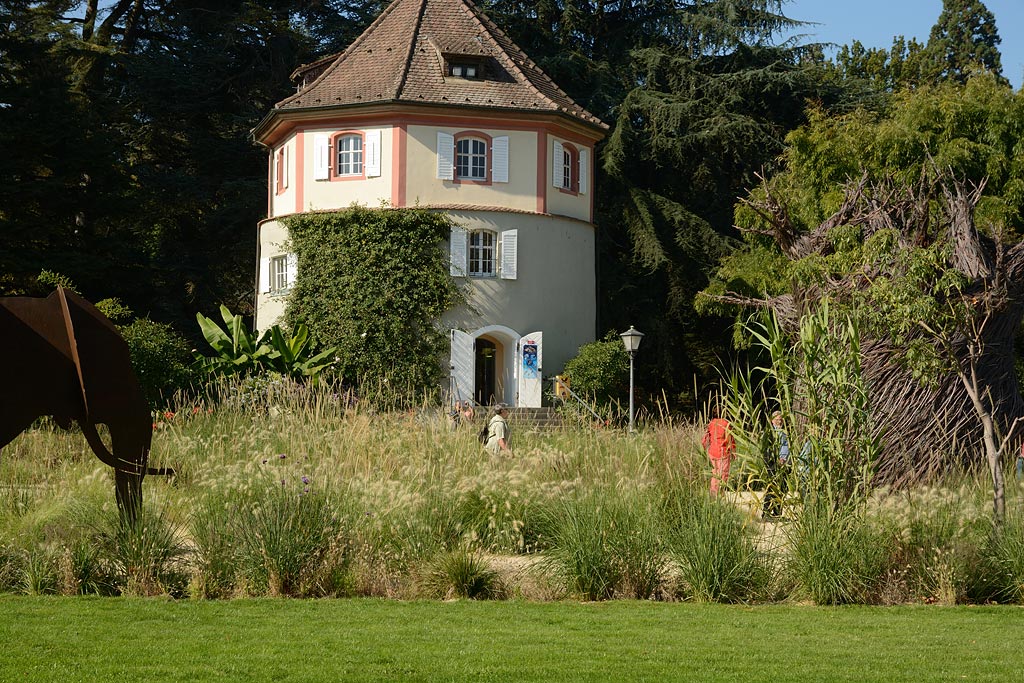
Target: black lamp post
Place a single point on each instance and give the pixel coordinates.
(631, 339)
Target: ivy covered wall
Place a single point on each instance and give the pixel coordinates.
(374, 283)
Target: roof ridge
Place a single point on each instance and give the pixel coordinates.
(403, 75)
(346, 53)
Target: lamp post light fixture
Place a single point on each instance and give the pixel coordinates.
(631, 340)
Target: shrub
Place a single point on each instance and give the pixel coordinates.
(600, 370)
(160, 357)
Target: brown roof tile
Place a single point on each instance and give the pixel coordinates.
(400, 57)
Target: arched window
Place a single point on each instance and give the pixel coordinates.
(349, 155)
(482, 245)
(471, 158)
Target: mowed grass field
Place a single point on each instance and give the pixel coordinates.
(117, 639)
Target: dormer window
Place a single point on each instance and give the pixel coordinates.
(465, 70)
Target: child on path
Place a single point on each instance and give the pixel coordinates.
(721, 446)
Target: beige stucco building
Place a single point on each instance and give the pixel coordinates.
(433, 106)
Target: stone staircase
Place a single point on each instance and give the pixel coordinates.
(535, 418)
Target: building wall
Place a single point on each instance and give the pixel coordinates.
(284, 202)
(339, 193)
(555, 291)
(424, 187)
(269, 307)
(408, 173)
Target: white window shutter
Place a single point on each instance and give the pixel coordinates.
(284, 167)
(584, 174)
(509, 254)
(264, 275)
(372, 153)
(463, 365)
(459, 251)
(293, 269)
(499, 159)
(445, 156)
(557, 165)
(321, 157)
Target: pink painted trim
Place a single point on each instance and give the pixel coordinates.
(542, 174)
(332, 169)
(270, 182)
(397, 117)
(398, 165)
(487, 170)
(300, 166)
(591, 181)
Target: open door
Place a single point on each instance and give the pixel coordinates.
(530, 370)
(462, 366)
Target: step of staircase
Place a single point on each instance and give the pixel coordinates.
(535, 418)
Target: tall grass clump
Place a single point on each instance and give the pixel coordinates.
(462, 573)
(285, 531)
(603, 546)
(938, 535)
(713, 550)
(836, 556)
(213, 526)
(146, 557)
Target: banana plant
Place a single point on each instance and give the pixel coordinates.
(290, 355)
(239, 351)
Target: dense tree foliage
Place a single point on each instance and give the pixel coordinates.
(125, 128)
(914, 219)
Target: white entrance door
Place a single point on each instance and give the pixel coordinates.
(462, 366)
(529, 369)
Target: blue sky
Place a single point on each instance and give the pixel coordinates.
(875, 22)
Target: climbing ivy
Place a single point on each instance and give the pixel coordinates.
(374, 283)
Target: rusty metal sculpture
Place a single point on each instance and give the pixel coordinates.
(62, 357)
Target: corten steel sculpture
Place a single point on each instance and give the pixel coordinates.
(64, 358)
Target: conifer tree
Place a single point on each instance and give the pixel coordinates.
(964, 38)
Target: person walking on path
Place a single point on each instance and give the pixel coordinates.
(776, 457)
(720, 445)
(498, 432)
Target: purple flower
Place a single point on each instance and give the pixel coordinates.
(282, 482)
(282, 456)
(264, 461)
(305, 479)
(305, 490)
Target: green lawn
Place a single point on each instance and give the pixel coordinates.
(101, 639)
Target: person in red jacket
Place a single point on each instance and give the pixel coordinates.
(721, 446)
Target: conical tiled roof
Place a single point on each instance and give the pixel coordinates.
(401, 58)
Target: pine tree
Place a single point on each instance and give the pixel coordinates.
(963, 39)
